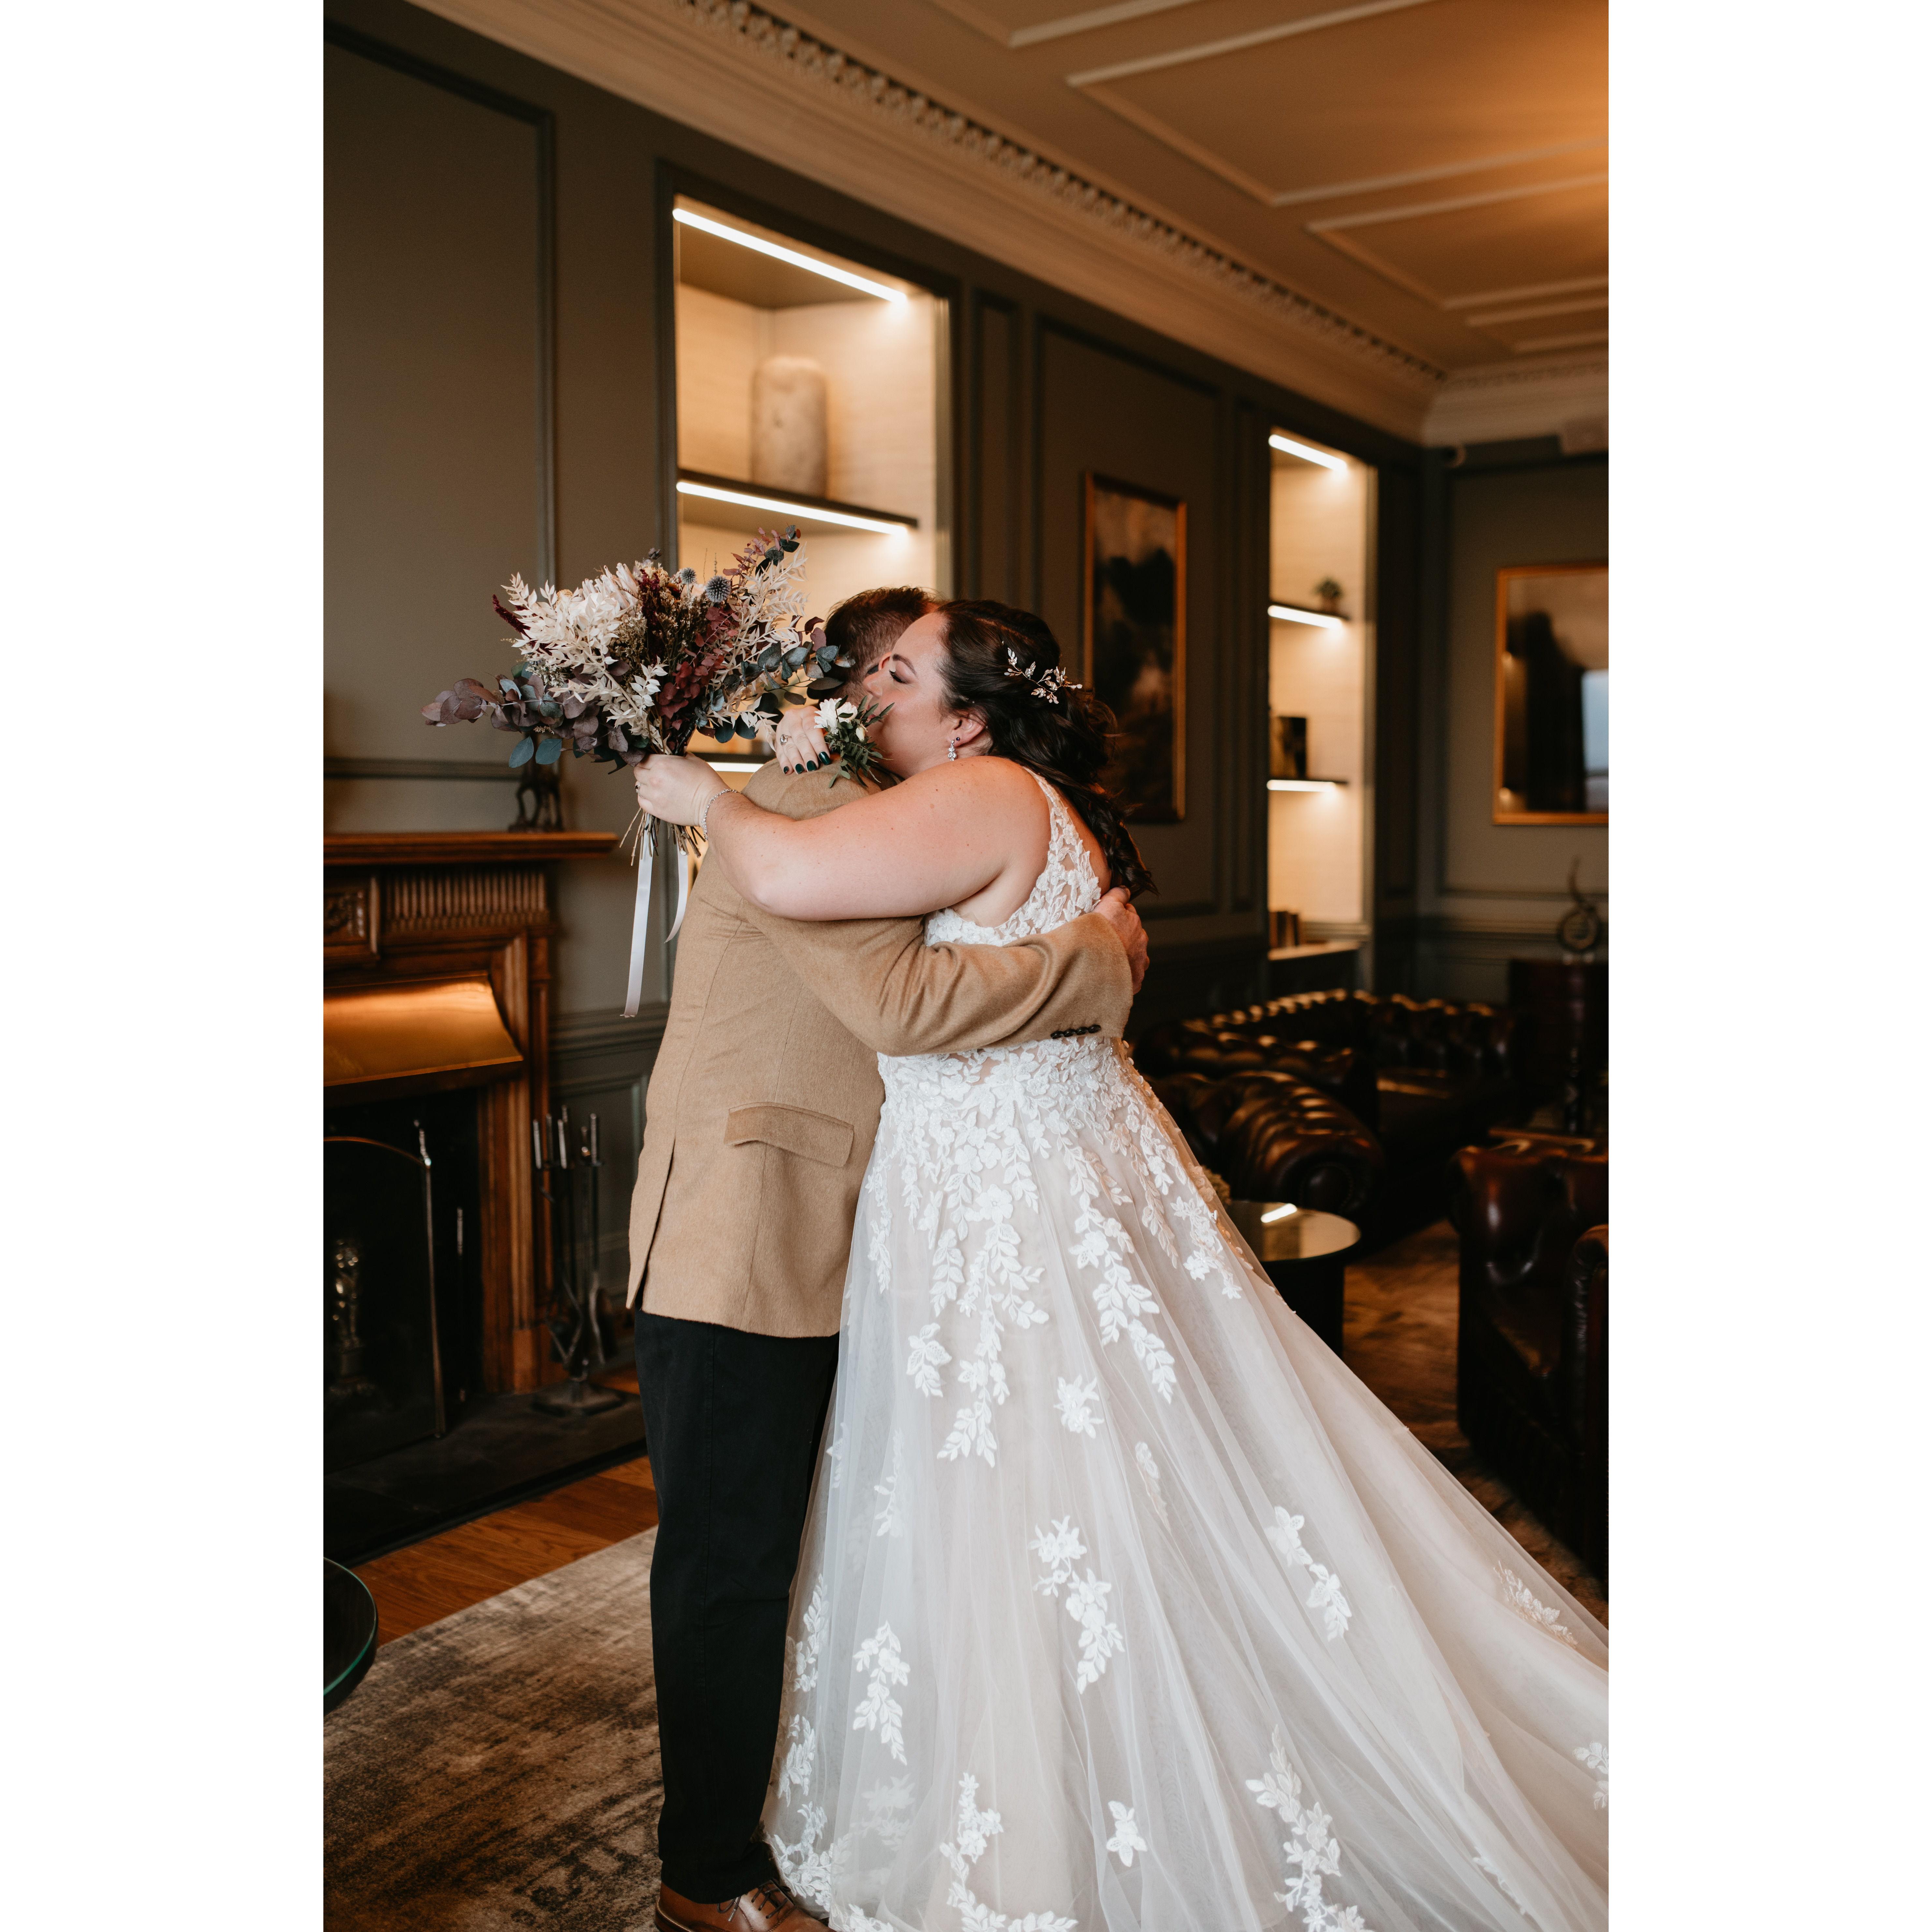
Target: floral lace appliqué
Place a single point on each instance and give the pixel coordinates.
(1508, 1891)
(1059, 1549)
(1311, 1853)
(889, 1520)
(1126, 1839)
(1519, 1598)
(880, 1711)
(1076, 1404)
(810, 1641)
(1151, 1480)
(1285, 1533)
(973, 1829)
(1596, 1756)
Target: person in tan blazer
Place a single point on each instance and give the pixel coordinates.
(761, 1114)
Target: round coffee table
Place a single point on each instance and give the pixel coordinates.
(349, 1633)
(1304, 1251)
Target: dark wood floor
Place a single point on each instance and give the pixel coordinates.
(1399, 1335)
(445, 1573)
(1400, 1338)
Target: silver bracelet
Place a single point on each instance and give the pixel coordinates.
(703, 827)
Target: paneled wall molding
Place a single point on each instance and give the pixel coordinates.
(543, 123)
(1504, 895)
(726, 67)
(1497, 403)
(573, 1036)
(1442, 926)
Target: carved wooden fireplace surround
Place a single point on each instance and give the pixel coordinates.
(417, 911)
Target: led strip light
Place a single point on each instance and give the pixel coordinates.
(791, 255)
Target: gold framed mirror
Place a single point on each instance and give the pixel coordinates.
(1553, 760)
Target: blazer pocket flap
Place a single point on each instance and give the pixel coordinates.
(819, 1137)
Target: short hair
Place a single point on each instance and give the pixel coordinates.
(867, 624)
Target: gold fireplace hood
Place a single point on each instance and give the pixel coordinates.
(413, 1036)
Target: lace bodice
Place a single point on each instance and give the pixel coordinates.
(1066, 887)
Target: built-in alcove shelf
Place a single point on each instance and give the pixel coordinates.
(1321, 515)
(766, 499)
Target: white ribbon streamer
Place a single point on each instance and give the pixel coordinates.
(640, 921)
(641, 917)
(683, 892)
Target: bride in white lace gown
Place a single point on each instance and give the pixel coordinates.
(1123, 1604)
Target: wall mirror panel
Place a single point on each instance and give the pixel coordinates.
(808, 392)
(1553, 695)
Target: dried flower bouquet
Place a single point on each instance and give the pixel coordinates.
(640, 659)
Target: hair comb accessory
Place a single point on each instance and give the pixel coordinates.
(1046, 684)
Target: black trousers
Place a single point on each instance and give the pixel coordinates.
(732, 1424)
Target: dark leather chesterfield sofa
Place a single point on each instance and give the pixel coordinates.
(1421, 1078)
(1272, 1136)
(1532, 1380)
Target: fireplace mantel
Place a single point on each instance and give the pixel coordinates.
(462, 848)
(467, 913)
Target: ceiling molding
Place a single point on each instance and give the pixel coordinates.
(1236, 43)
(1336, 232)
(1531, 292)
(1416, 211)
(725, 68)
(1058, 29)
(1447, 171)
(1506, 400)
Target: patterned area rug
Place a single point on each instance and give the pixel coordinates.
(500, 1769)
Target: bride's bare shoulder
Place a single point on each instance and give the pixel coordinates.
(986, 783)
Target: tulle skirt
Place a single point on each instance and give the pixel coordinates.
(1123, 1604)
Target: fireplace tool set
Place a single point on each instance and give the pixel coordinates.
(579, 1327)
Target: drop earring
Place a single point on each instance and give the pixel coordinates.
(951, 750)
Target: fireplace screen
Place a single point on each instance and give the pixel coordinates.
(382, 1381)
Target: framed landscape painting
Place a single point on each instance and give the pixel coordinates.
(1135, 641)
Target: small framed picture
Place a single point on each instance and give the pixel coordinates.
(1135, 641)
(1288, 747)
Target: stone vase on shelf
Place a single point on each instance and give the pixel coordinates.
(788, 438)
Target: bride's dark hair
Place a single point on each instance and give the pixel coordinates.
(1063, 737)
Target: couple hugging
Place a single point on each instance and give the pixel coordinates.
(1091, 1590)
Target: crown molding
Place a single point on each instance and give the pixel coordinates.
(729, 69)
(1502, 401)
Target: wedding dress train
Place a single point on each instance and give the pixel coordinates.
(1122, 1604)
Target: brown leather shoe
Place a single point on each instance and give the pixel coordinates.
(765, 1908)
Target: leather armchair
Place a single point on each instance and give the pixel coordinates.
(1531, 1350)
